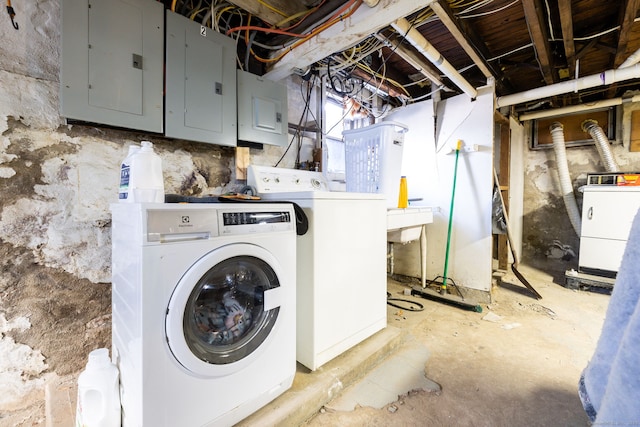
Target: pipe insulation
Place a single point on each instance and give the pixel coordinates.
(405, 29)
(602, 144)
(557, 135)
(602, 79)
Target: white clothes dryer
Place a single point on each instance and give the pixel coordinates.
(203, 310)
(341, 274)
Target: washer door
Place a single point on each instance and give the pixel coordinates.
(224, 310)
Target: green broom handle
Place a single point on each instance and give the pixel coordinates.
(453, 195)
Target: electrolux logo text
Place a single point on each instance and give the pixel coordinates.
(185, 221)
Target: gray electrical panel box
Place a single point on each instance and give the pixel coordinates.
(112, 56)
(262, 110)
(200, 100)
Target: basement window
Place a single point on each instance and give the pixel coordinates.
(574, 136)
(335, 116)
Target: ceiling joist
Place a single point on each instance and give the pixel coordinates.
(566, 21)
(364, 22)
(535, 21)
(406, 30)
(274, 12)
(442, 10)
(628, 12)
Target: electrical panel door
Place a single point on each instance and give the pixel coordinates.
(262, 110)
(200, 100)
(112, 56)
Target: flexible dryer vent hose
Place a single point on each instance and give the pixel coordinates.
(602, 144)
(557, 134)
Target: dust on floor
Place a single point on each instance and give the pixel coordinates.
(515, 364)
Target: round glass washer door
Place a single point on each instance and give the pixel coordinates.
(224, 309)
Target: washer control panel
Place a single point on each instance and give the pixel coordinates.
(267, 179)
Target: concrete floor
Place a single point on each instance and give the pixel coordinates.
(516, 363)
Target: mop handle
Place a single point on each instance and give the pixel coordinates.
(453, 195)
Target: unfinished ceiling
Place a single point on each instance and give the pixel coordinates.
(409, 49)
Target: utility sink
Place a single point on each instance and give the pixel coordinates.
(405, 225)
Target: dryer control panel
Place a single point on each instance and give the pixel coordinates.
(280, 180)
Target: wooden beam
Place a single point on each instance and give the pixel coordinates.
(584, 49)
(443, 12)
(364, 22)
(566, 21)
(500, 118)
(243, 160)
(537, 29)
(468, 38)
(271, 11)
(628, 11)
(503, 187)
(627, 17)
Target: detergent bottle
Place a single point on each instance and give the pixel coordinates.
(146, 183)
(403, 196)
(124, 194)
(99, 392)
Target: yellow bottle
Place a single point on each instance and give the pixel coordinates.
(403, 197)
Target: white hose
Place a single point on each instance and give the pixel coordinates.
(602, 144)
(557, 134)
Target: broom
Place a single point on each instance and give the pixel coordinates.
(444, 296)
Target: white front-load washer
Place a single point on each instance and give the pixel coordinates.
(203, 310)
(341, 277)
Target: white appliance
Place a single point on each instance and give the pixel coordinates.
(203, 310)
(341, 271)
(607, 214)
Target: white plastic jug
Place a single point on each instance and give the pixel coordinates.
(146, 183)
(99, 392)
(124, 195)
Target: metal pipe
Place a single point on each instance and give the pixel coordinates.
(557, 134)
(414, 60)
(570, 109)
(602, 79)
(577, 108)
(602, 144)
(405, 29)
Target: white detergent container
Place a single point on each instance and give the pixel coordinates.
(124, 195)
(146, 183)
(99, 392)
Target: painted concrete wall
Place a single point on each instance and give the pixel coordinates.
(428, 163)
(56, 184)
